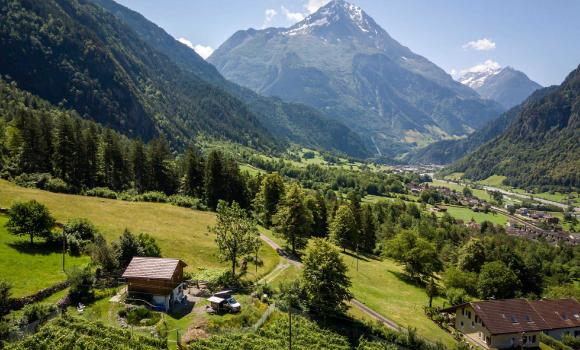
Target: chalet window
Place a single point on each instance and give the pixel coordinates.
(564, 317)
(514, 319)
(533, 339)
(529, 319)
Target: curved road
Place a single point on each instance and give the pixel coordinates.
(362, 307)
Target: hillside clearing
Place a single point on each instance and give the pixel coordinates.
(31, 269)
(181, 233)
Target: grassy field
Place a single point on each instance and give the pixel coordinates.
(382, 286)
(467, 214)
(30, 269)
(181, 233)
(494, 180)
(481, 194)
(379, 285)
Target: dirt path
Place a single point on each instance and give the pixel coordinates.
(362, 307)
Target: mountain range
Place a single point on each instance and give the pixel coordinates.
(342, 62)
(505, 85)
(142, 82)
(448, 151)
(540, 146)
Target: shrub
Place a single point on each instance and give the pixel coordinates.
(186, 202)
(57, 185)
(154, 196)
(571, 341)
(81, 281)
(37, 312)
(148, 245)
(37, 180)
(4, 295)
(140, 316)
(102, 192)
(79, 233)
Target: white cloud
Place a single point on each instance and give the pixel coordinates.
(488, 65)
(202, 50)
(484, 44)
(269, 16)
(292, 16)
(313, 5)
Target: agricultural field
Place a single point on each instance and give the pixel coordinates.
(466, 214)
(180, 232)
(30, 269)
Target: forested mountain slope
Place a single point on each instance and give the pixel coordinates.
(448, 151)
(342, 62)
(541, 148)
(292, 122)
(76, 54)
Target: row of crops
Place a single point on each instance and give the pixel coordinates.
(68, 332)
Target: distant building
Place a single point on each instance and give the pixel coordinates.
(158, 281)
(510, 323)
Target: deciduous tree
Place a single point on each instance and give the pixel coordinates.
(293, 220)
(325, 279)
(30, 218)
(236, 233)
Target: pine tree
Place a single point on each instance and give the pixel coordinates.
(213, 179)
(317, 205)
(140, 165)
(293, 220)
(368, 229)
(270, 194)
(192, 183)
(65, 150)
(163, 177)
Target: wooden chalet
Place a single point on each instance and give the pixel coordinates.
(158, 281)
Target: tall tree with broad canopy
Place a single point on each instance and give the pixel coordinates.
(496, 280)
(293, 221)
(29, 218)
(418, 255)
(236, 233)
(343, 230)
(325, 279)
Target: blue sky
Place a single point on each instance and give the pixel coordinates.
(539, 37)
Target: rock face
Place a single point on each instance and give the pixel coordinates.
(507, 86)
(342, 62)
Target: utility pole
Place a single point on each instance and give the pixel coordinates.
(290, 333)
(63, 249)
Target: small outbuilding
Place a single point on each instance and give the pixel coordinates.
(158, 281)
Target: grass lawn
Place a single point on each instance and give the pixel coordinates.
(481, 194)
(467, 214)
(494, 180)
(180, 232)
(379, 285)
(30, 269)
(454, 176)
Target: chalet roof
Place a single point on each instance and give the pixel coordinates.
(152, 268)
(521, 315)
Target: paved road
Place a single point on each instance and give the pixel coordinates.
(365, 309)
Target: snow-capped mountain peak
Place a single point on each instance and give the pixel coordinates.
(337, 13)
(476, 76)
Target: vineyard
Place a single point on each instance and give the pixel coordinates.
(305, 335)
(69, 332)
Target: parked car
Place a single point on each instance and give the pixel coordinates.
(224, 302)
